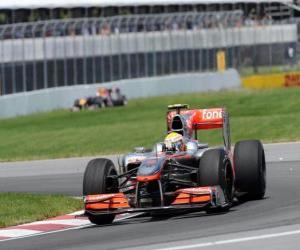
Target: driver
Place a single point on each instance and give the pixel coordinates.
(174, 142)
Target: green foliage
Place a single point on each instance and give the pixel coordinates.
(270, 115)
(17, 208)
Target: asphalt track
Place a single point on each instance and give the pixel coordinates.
(272, 223)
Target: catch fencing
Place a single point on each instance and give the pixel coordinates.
(69, 52)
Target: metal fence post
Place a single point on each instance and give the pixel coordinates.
(168, 22)
(186, 50)
(176, 28)
(65, 55)
(3, 80)
(135, 39)
(166, 42)
(154, 51)
(146, 52)
(127, 30)
(13, 63)
(73, 36)
(45, 61)
(24, 59)
(102, 39)
(117, 32)
(54, 36)
(239, 63)
(94, 55)
(84, 34)
(110, 37)
(34, 71)
(193, 49)
(199, 27)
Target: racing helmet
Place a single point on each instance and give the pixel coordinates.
(102, 92)
(174, 142)
(82, 102)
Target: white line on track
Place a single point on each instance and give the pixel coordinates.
(237, 240)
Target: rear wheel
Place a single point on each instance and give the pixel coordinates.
(250, 168)
(216, 170)
(96, 180)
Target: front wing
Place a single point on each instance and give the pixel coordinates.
(197, 198)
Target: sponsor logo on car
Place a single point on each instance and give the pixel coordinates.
(212, 114)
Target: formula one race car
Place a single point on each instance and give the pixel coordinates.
(104, 98)
(178, 174)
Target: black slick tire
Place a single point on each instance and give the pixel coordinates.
(250, 168)
(216, 170)
(96, 181)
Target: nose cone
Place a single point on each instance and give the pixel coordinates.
(150, 166)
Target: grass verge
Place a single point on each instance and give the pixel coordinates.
(269, 115)
(17, 208)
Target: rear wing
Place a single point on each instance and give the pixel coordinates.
(199, 119)
(208, 118)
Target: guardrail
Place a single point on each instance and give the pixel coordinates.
(83, 46)
(70, 52)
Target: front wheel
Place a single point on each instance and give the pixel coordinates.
(97, 180)
(216, 170)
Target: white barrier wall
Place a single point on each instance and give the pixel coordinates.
(63, 97)
(14, 50)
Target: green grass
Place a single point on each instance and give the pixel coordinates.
(18, 208)
(270, 115)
